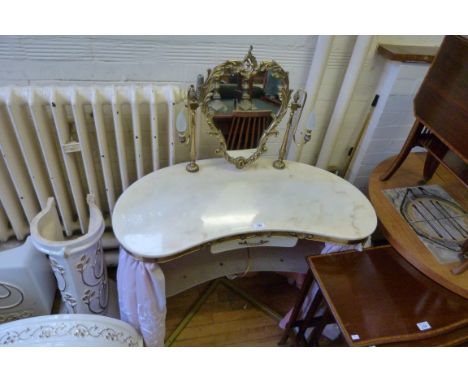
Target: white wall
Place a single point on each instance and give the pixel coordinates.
(175, 59)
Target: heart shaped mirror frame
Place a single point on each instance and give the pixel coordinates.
(246, 70)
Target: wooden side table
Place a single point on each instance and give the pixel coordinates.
(377, 298)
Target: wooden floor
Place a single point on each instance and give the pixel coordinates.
(226, 319)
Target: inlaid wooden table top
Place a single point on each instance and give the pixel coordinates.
(170, 210)
(379, 298)
(400, 234)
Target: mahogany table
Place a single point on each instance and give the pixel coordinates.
(378, 298)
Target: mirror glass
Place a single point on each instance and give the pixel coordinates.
(243, 109)
(243, 102)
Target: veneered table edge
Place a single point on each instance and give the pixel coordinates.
(408, 53)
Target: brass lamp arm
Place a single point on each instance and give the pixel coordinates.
(295, 105)
(192, 103)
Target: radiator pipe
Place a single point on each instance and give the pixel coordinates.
(361, 47)
(314, 80)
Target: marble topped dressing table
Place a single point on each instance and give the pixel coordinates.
(222, 221)
(168, 212)
(193, 222)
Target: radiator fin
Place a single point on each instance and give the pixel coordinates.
(66, 141)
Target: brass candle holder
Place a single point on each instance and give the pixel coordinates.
(192, 103)
(295, 105)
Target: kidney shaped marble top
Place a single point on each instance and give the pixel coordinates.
(170, 210)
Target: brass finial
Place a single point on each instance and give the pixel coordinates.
(250, 59)
(192, 94)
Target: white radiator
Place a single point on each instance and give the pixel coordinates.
(68, 141)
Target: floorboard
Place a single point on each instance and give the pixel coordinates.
(226, 319)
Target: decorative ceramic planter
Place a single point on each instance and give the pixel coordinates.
(69, 330)
(27, 285)
(78, 264)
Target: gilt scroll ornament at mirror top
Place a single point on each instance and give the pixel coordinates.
(243, 103)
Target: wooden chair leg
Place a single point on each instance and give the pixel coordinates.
(318, 329)
(411, 142)
(310, 319)
(297, 307)
(437, 149)
(430, 167)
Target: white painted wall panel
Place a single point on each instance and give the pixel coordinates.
(394, 123)
(175, 59)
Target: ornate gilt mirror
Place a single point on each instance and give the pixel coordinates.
(243, 103)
